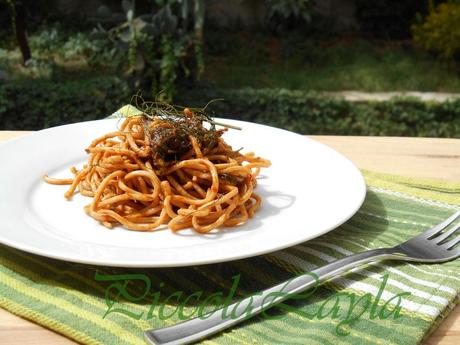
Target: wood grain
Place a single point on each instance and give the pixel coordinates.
(416, 157)
(15, 331)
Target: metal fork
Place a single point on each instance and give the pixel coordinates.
(432, 246)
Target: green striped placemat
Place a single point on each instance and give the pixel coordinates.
(383, 303)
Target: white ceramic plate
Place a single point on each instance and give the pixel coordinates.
(309, 190)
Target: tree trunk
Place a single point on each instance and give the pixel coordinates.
(19, 14)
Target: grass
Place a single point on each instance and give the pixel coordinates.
(235, 60)
(330, 66)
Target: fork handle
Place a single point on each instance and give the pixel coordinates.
(206, 325)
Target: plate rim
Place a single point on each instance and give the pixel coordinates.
(110, 263)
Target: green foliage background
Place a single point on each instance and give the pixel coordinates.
(439, 31)
(75, 77)
(311, 113)
(39, 104)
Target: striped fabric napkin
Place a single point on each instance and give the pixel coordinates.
(382, 303)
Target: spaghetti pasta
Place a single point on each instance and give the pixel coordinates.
(206, 185)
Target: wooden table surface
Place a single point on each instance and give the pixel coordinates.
(416, 157)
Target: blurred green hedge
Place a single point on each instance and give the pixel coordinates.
(37, 104)
(41, 103)
(311, 113)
